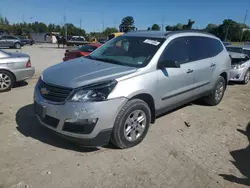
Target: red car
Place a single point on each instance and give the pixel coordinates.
(80, 52)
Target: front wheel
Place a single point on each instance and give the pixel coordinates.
(247, 77)
(6, 81)
(17, 45)
(131, 124)
(217, 93)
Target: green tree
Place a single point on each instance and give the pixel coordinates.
(127, 24)
(246, 35)
(189, 25)
(180, 26)
(211, 27)
(149, 28)
(6, 21)
(156, 27)
(109, 30)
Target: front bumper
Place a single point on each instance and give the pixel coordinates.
(55, 117)
(23, 74)
(237, 74)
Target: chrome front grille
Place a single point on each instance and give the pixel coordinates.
(53, 93)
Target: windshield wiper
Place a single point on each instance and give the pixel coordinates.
(107, 60)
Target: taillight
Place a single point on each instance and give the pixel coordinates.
(28, 64)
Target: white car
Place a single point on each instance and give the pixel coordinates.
(240, 67)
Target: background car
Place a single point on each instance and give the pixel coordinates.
(82, 51)
(25, 40)
(10, 42)
(240, 67)
(239, 49)
(14, 67)
(226, 43)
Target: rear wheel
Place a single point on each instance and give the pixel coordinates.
(6, 81)
(131, 125)
(217, 93)
(247, 77)
(17, 45)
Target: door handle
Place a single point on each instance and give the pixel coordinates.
(190, 71)
(212, 65)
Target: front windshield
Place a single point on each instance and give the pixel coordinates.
(128, 50)
(87, 48)
(234, 49)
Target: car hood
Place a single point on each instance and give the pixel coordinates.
(82, 71)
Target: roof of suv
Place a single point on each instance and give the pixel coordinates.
(162, 34)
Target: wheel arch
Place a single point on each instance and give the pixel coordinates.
(225, 76)
(147, 98)
(14, 76)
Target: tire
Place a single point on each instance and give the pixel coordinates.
(246, 77)
(7, 81)
(125, 124)
(217, 93)
(17, 45)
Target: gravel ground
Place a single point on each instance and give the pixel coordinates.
(213, 151)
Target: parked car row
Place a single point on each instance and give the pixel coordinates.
(14, 41)
(14, 67)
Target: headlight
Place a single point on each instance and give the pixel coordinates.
(94, 92)
(239, 66)
(41, 77)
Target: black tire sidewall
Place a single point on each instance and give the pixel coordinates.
(120, 123)
(11, 78)
(245, 77)
(221, 79)
(15, 45)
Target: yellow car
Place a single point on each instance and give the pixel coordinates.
(113, 35)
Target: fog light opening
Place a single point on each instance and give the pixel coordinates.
(78, 121)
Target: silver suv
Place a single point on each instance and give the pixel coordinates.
(118, 90)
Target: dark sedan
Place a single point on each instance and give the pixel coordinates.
(25, 40)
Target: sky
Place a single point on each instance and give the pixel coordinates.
(96, 14)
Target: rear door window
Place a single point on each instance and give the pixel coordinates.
(215, 46)
(204, 47)
(199, 48)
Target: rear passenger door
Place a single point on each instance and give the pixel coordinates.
(202, 55)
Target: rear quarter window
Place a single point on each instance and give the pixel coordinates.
(204, 47)
(215, 46)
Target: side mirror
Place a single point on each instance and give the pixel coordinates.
(169, 64)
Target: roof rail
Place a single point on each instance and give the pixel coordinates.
(188, 31)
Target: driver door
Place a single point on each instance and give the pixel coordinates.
(175, 84)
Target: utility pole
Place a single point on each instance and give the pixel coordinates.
(102, 25)
(245, 19)
(80, 23)
(65, 26)
(31, 19)
(23, 18)
(162, 26)
(226, 33)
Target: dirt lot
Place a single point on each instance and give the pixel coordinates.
(213, 151)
